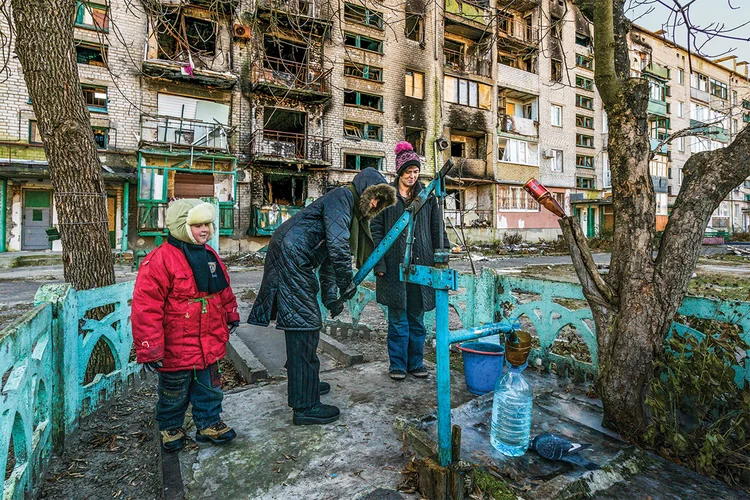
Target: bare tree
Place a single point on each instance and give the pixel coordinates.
(44, 46)
(633, 306)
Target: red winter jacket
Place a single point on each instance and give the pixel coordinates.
(167, 320)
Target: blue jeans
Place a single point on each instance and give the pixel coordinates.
(406, 333)
(177, 389)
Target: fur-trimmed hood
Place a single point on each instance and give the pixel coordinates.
(371, 185)
(182, 214)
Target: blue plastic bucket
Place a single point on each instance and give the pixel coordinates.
(483, 364)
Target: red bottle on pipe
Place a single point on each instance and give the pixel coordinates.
(543, 197)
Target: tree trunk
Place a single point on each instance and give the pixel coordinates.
(44, 45)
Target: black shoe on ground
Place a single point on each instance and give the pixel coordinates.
(173, 439)
(397, 374)
(325, 388)
(420, 372)
(318, 414)
(218, 433)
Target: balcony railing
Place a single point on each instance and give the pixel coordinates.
(658, 108)
(266, 219)
(517, 30)
(714, 131)
(291, 74)
(183, 132)
(468, 218)
(517, 125)
(664, 149)
(151, 217)
(656, 70)
(699, 95)
(457, 61)
(289, 146)
(473, 10)
(308, 8)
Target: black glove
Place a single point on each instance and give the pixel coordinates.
(349, 292)
(152, 366)
(335, 308)
(233, 326)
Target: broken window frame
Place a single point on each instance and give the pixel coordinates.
(363, 131)
(363, 71)
(152, 172)
(104, 133)
(413, 84)
(585, 141)
(584, 121)
(358, 161)
(356, 40)
(175, 27)
(584, 102)
(294, 181)
(584, 62)
(358, 99)
(359, 14)
(585, 183)
(93, 101)
(417, 143)
(556, 71)
(35, 137)
(585, 161)
(94, 47)
(414, 26)
(83, 8)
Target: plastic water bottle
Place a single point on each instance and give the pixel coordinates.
(511, 413)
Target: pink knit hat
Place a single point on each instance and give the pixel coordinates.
(405, 157)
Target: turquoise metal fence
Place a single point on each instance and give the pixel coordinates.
(43, 361)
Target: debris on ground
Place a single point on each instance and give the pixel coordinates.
(114, 454)
(244, 259)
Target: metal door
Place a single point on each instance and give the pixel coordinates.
(36, 220)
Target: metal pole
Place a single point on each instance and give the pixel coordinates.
(125, 210)
(442, 335)
(3, 209)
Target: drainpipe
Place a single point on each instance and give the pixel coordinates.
(125, 207)
(3, 209)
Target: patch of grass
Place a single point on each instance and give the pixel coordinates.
(492, 486)
(457, 360)
(725, 260)
(721, 286)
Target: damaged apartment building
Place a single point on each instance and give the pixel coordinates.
(261, 106)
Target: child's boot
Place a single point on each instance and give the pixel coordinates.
(218, 433)
(173, 439)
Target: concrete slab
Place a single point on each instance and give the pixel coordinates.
(271, 458)
(245, 361)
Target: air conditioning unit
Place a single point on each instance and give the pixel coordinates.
(243, 176)
(242, 31)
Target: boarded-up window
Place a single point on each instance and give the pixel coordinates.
(449, 88)
(414, 84)
(188, 185)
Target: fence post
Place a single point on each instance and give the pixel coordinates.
(65, 387)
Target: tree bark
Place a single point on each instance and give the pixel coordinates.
(44, 45)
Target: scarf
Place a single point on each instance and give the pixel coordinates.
(360, 238)
(207, 272)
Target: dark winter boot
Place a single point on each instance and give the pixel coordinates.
(218, 433)
(324, 387)
(173, 439)
(317, 414)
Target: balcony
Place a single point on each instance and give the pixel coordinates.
(475, 11)
(515, 34)
(151, 218)
(267, 218)
(518, 79)
(745, 104)
(183, 132)
(517, 125)
(291, 79)
(713, 131)
(699, 95)
(660, 184)
(746, 117)
(311, 16)
(471, 168)
(160, 69)
(657, 70)
(459, 62)
(658, 108)
(518, 172)
(273, 146)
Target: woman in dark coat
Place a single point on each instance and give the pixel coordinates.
(316, 237)
(406, 302)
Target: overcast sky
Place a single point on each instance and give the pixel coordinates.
(704, 12)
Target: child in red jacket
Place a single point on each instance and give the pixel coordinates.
(182, 314)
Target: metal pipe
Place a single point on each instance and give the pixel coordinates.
(480, 331)
(442, 355)
(3, 209)
(125, 207)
